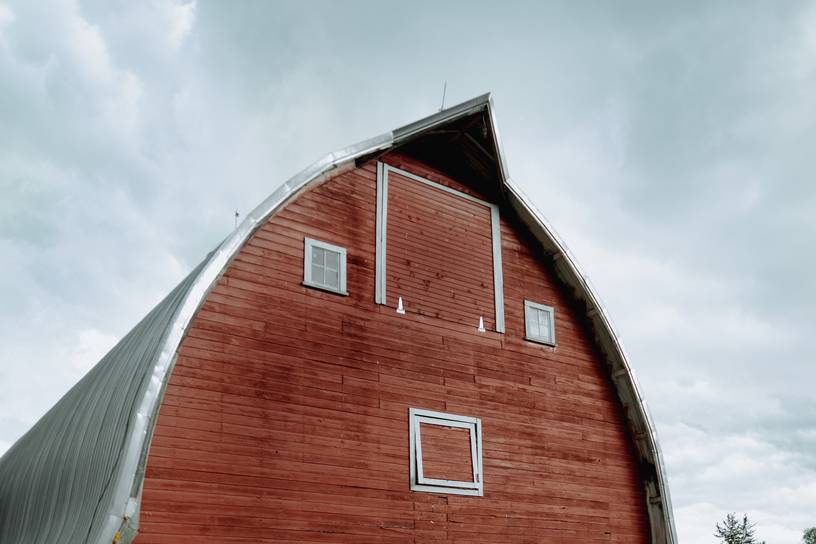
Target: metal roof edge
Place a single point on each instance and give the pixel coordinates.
(579, 281)
(441, 117)
(125, 502)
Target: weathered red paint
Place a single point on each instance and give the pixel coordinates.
(286, 417)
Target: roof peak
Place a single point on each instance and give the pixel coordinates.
(444, 115)
(462, 140)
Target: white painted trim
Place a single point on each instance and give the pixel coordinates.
(382, 222)
(444, 415)
(436, 185)
(308, 244)
(498, 270)
(418, 481)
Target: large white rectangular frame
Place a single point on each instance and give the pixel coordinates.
(382, 226)
(419, 482)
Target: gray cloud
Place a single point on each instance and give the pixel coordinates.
(671, 145)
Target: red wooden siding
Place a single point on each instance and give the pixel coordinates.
(446, 453)
(439, 253)
(286, 417)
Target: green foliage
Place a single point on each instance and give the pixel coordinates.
(734, 531)
(809, 536)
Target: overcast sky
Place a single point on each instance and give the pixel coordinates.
(672, 144)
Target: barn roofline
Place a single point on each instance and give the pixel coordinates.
(127, 481)
(125, 503)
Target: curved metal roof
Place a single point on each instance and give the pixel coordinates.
(78, 472)
(57, 480)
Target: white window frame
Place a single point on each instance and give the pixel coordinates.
(530, 306)
(382, 226)
(419, 482)
(309, 244)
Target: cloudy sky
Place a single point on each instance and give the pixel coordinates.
(673, 145)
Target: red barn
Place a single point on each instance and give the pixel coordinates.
(393, 347)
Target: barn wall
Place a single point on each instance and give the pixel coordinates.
(286, 417)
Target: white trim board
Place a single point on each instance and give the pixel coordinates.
(380, 293)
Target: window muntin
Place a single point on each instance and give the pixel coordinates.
(419, 480)
(539, 323)
(324, 266)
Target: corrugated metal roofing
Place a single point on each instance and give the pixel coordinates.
(57, 480)
(77, 475)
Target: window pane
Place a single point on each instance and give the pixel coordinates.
(332, 260)
(332, 279)
(545, 325)
(532, 323)
(318, 273)
(318, 256)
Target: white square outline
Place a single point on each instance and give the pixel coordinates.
(419, 482)
(530, 305)
(310, 243)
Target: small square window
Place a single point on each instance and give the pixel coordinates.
(324, 266)
(539, 323)
(445, 453)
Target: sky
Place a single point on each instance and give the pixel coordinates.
(671, 144)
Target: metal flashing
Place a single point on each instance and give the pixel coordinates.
(130, 476)
(57, 480)
(442, 117)
(639, 418)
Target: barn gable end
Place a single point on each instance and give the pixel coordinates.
(286, 410)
